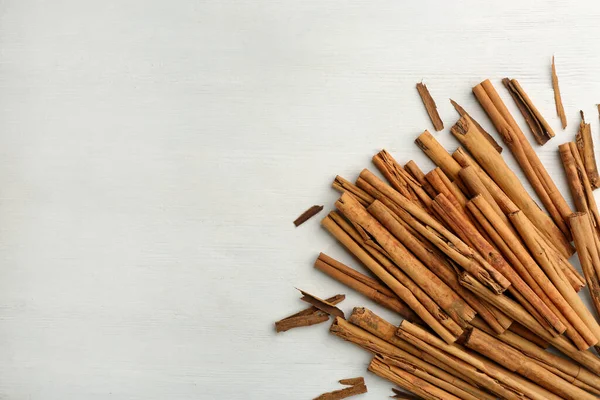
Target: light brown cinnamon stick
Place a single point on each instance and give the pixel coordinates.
(430, 106)
(461, 111)
(307, 317)
(434, 150)
(409, 381)
(513, 137)
(560, 109)
(365, 285)
(357, 386)
(541, 130)
(516, 361)
(419, 176)
(391, 281)
(342, 185)
(504, 177)
(585, 145)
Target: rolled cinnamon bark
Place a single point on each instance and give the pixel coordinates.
(436, 319)
(365, 285)
(519, 288)
(419, 176)
(516, 361)
(528, 160)
(588, 253)
(506, 383)
(434, 150)
(530, 271)
(585, 145)
(517, 312)
(554, 272)
(504, 177)
(409, 382)
(342, 185)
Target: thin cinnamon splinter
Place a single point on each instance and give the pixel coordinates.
(321, 304)
(308, 317)
(357, 386)
(461, 111)
(585, 146)
(560, 109)
(308, 214)
(542, 132)
(398, 394)
(430, 106)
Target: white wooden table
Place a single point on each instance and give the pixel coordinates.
(153, 155)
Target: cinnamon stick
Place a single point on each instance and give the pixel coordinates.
(419, 176)
(513, 137)
(519, 288)
(434, 150)
(342, 185)
(365, 285)
(461, 111)
(430, 106)
(307, 317)
(516, 361)
(308, 214)
(560, 109)
(496, 379)
(409, 381)
(541, 130)
(431, 318)
(357, 386)
(321, 304)
(504, 177)
(588, 253)
(585, 145)
(529, 270)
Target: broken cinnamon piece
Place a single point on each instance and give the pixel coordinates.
(308, 214)
(560, 109)
(307, 317)
(430, 106)
(542, 132)
(461, 111)
(321, 304)
(353, 381)
(357, 386)
(585, 146)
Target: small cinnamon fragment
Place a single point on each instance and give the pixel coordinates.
(321, 304)
(307, 317)
(357, 386)
(398, 394)
(542, 132)
(430, 106)
(560, 109)
(585, 146)
(461, 111)
(308, 214)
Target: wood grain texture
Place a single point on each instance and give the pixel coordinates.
(154, 154)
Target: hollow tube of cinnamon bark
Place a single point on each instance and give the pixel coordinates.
(416, 172)
(365, 285)
(519, 288)
(525, 155)
(517, 312)
(531, 271)
(588, 254)
(408, 381)
(556, 275)
(516, 361)
(504, 177)
(400, 180)
(376, 345)
(443, 295)
(565, 368)
(437, 265)
(434, 150)
(343, 185)
(390, 280)
(585, 145)
(384, 330)
(507, 384)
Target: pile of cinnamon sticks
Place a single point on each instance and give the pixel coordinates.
(477, 268)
